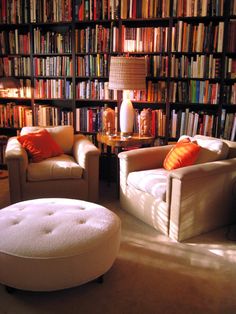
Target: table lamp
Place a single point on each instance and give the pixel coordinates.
(127, 73)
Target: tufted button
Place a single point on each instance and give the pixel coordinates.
(81, 207)
(47, 231)
(81, 221)
(15, 222)
(50, 213)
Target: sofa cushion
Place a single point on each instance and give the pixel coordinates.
(212, 149)
(40, 145)
(183, 154)
(60, 167)
(63, 135)
(152, 181)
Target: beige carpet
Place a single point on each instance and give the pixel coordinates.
(152, 274)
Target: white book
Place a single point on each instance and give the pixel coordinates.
(182, 125)
(195, 124)
(77, 120)
(220, 37)
(233, 132)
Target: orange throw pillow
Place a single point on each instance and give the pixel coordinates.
(40, 145)
(183, 154)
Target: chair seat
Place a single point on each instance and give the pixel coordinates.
(60, 167)
(152, 181)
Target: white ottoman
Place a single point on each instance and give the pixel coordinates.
(55, 243)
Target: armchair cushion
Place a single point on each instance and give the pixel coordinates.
(40, 145)
(152, 181)
(60, 167)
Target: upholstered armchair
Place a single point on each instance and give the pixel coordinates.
(183, 202)
(72, 174)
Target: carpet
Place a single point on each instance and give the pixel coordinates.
(151, 274)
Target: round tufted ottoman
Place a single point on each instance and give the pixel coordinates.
(55, 243)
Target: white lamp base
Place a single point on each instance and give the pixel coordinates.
(126, 118)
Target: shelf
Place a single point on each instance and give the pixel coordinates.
(175, 46)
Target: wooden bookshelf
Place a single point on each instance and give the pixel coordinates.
(60, 51)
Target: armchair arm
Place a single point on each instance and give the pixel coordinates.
(201, 197)
(144, 158)
(87, 156)
(83, 149)
(17, 154)
(17, 162)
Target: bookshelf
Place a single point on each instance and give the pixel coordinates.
(60, 51)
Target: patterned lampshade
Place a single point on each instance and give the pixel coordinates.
(127, 73)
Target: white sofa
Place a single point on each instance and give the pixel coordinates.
(74, 174)
(184, 202)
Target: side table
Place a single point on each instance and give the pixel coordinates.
(116, 144)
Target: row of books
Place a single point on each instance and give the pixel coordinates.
(52, 41)
(53, 88)
(95, 90)
(144, 39)
(198, 8)
(228, 125)
(53, 66)
(14, 11)
(192, 123)
(233, 7)
(231, 44)
(14, 42)
(230, 68)
(90, 65)
(96, 9)
(24, 91)
(89, 119)
(43, 11)
(15, 66)
(187, 37)
(97, 39)
(230, 94)
(45, 115)
(15, 116)
(17, 11)
(133, 9)
(198, 66)
(194, 91)
(190, 91)
(157, 65)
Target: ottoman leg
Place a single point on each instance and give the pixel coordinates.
(10, 289)
(100, 279)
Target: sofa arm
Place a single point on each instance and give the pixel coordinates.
(144, 158)
(202, 198)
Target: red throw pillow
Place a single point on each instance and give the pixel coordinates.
(183, 154)
(40, 145)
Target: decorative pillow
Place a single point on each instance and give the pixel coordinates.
(183, 154)
(40, 145)
(212, 149)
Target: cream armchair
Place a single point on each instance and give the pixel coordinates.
(184, 202)
(74, 174)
